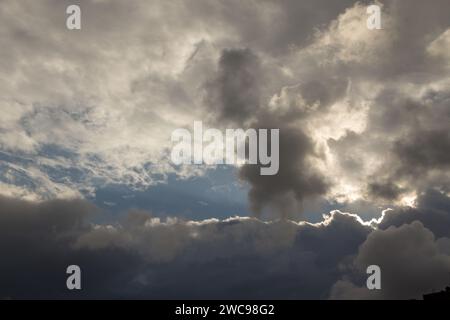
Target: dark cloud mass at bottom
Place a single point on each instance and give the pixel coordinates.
(145, 257)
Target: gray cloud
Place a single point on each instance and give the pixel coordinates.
(307, 74)
(36, 248)
(418, 142)
(144, 257)
(411, 248)
(400, 128)
(426, 149)
(433, 210)
(235, 94)
(296, 180)
(235, 98)
(410, 260)
(387, 190)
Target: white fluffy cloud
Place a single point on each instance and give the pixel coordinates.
(103, 100)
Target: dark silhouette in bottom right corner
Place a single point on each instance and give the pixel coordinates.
(441, 295)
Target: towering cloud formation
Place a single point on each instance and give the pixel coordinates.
(235, 94)
(235, 98)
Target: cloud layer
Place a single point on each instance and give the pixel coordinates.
(361, 112)
(146, 257)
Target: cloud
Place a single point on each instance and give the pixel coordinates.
(114, 91)
(353, 104)
(410, 260)
(391, 147)
(142, 256)
(432, 209)
(362, 138)
(410, 246)
(295, 181)
(387, 190)
(146, 257)
(236, 91)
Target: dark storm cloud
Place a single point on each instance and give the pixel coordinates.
(411, 262)
(236, 92)
(424, 150)
(387, 190)
(235, 98)
(418, 143)
(295, 181)
(144, 257)
(411, 248)
(433, 210)
(147, 258)
(56, 216)
(36, 248)
(262, 261)
(418, 127)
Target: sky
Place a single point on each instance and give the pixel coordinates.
(86, 175)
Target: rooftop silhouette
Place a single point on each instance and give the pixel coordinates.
(441, 295)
